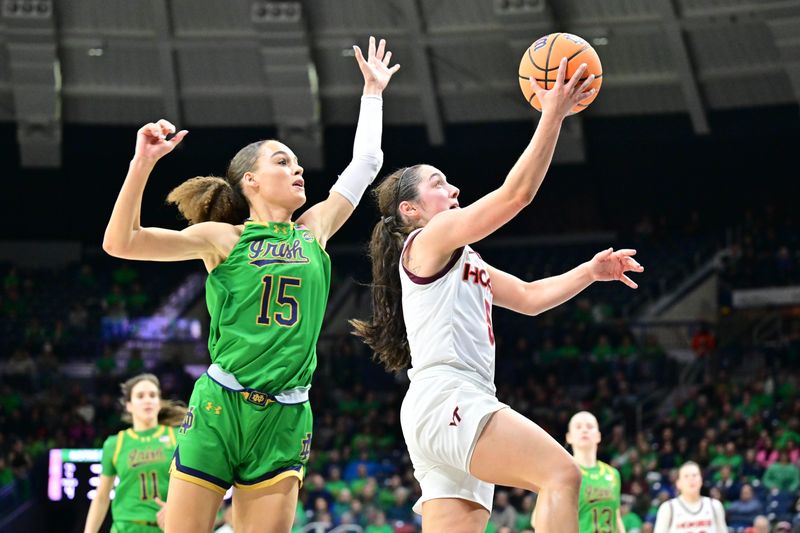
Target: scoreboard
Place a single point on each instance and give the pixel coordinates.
(74, 474)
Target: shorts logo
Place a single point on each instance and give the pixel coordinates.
(188, 420)
(456, 417)
(258, 398)
(306, 450)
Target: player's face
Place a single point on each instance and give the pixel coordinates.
(689, 480)
(584, 432)
(145, 401)
(279, 177)
(435, 194)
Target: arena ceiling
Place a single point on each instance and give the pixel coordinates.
(289, 65)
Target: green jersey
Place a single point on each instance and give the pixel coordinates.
(599, 499)
(266, 302)
(141, 460)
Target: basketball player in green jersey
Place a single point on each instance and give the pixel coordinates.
(249, 420)
(140, 457)
(599, 499)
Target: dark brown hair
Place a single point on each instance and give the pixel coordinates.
(385, 333)
(217, 199)
(171, 412)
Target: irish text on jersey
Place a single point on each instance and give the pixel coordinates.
(264, 252)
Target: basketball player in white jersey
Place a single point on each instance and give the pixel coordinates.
(432, 301)
(690, 512)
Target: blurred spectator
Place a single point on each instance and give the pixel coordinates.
(703, 341)
(761, 524)
(782, 475)
(503, 513)
(379, 524)
(746, 508)
(724, 481)
(631, 521)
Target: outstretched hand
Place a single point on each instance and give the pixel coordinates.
(375, 68)
(609, 265)
(564, 95)
(152, 142)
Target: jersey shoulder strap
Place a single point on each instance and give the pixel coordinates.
(120, 437)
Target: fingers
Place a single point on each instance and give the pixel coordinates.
(381, 50)
(176, 140)
(585, 86)
(535, 86)
(626, 251)
(159, 129)
(387, 57)
(371, 50)
(394, 69)
(628, 281)
(632, 266)
(151, 129)
(166, 127)
(576, 76)
(562, 71)
(605, 254)
(160, 502)
(359, 55)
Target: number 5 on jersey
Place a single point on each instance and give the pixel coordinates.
(283, 317)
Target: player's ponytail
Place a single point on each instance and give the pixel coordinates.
(385, 333)
(217, 199)
(171, 413)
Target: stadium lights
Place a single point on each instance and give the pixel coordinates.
(518, 7)
(261, 11)
(29, 9)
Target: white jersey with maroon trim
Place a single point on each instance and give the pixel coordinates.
(677, 516)
(448, 315)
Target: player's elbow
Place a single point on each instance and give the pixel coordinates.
(113, 248)
(110, 247)
(120, 246)
(517, 200)
(372, 161)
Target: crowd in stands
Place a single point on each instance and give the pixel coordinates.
(742, 427)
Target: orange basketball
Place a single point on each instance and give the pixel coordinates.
(541, 60)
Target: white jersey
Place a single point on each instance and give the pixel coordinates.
(677, 516)
(448, 315)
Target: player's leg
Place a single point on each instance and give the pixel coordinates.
(514, 451)
(202, 469)
(269, 478)
(191, 508)
(270, 508)
(454, 515)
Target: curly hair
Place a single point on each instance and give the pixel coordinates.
(205, 198)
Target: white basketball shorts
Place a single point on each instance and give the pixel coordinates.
(442, 416)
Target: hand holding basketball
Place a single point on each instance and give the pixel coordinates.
(564, 95)
(542, 62)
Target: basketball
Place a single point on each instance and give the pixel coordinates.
(541, 61)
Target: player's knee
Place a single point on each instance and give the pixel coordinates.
(567, 476)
